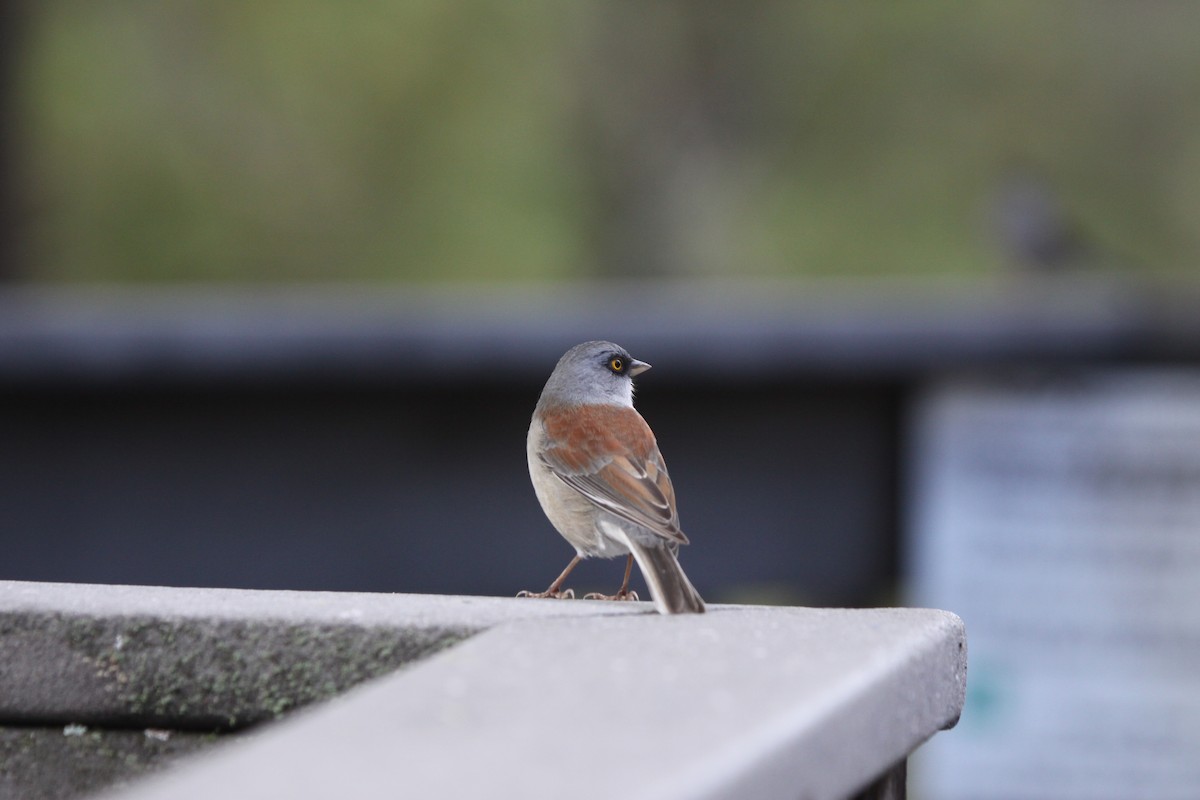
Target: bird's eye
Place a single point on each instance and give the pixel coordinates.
(617, 364)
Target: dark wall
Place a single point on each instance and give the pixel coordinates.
(785, 487)
(362, 438)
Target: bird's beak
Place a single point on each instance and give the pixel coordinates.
(637, 367)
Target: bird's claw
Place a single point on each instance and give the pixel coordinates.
(628, 594)
(565, 594)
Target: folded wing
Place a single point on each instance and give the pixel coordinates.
(609, 455)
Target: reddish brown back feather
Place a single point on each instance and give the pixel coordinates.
(609, 454)
(602, 431)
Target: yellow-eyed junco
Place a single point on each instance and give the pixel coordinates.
(601, 479)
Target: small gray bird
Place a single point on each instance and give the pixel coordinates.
(601, 479)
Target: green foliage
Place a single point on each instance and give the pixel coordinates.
(483, 139)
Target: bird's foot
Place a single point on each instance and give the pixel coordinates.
(564, 594)
(627, 594)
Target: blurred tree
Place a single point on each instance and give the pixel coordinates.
(481, 139)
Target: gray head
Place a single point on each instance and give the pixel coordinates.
(593, 373)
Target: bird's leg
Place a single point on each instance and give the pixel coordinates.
(555, 589)
(623, 593)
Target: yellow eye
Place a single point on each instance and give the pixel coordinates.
(617, 364)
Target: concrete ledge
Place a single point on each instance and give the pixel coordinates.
(212, 658)
(536, 697)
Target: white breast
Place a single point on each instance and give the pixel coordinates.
(571, 514)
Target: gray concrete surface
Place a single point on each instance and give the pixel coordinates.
(534, 698)
(86, 669)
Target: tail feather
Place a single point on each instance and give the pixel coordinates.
(670, 588)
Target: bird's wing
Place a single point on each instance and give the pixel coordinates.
(609, 455)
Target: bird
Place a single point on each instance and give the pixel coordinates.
(601, 480)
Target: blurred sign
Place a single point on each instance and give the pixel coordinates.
(1060, 517)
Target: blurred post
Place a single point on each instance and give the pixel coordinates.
(1059, 516)
(12, 19)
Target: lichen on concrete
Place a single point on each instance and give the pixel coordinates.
(205, 673)
(63, 763)
(245, 673)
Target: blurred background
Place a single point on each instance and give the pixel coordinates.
(280, 284)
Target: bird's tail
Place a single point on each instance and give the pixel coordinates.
(670, 589)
